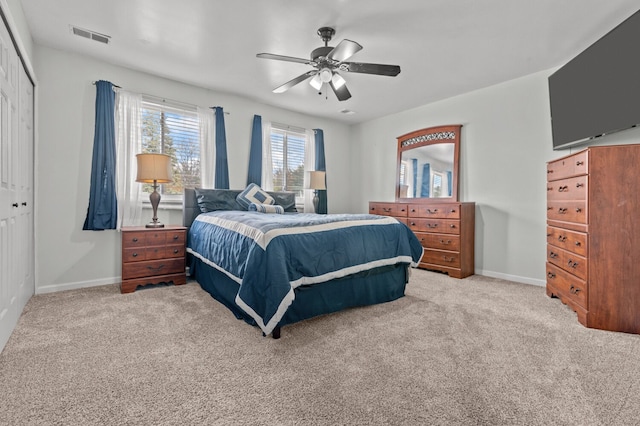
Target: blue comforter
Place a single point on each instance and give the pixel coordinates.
(269, 255)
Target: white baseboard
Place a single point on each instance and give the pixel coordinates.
(80, 284)
(515, 278)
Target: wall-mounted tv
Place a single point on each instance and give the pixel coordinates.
(598, 91)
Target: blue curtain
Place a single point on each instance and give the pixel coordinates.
(255, 153)
(449, 183)
(103, 209)
(321, 165)
(414, 163)
(222, 166)
(426, 180)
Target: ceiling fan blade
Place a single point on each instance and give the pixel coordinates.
(344, 50)
(299, 79)
(377, 69)
(341, 91)
(283, 58)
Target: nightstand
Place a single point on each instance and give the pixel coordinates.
(152, 256)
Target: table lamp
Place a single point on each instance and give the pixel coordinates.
(154, 169)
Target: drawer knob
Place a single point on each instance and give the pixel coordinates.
(553, 255)
(563, 188)
(134, 255)
(574, 290)
(562, 238)
(579, 185)
(562, 210)
(549, 171)
(446, 243)
(453, 226)
(549, 188)
(572, 264)
(175, 237)
(551, 275)
(135, 239)
(578, 243)
(175, 251)
(579, 163)
(578, 209)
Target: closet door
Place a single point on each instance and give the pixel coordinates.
(16, 192)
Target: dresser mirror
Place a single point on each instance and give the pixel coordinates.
(428, 165)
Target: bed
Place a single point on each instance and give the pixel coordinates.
(271, 270)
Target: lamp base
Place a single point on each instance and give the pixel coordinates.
(154, 225)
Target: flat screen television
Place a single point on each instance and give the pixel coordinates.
(598, 91)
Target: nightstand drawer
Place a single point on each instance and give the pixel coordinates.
(150, 268)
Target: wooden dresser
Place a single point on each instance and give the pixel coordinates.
(593, 235)
(152, 256)
(446, 231)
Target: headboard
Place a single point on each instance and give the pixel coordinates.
(224, 199)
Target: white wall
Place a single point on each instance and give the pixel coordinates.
(506, 142)
(68, 257)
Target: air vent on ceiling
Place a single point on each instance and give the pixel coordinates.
(92, 35)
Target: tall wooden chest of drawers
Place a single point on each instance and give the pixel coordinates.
(152, 256)
(446, 231)
(593, 235)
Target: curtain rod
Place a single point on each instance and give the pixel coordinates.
(114, 85)
(225, 112)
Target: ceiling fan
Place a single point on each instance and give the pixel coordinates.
(327, 61)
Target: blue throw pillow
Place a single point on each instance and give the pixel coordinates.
(254, 194)
(266, 208)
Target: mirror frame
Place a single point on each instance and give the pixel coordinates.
(425, 137)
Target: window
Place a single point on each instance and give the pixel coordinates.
(287, 153)
(172, 130)
(437, 184)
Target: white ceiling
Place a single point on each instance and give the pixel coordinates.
(444, 47)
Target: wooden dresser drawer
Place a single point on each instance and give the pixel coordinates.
(443, 258)
(388, 209)
(439, 241)
(569, 286)
(152, 267)
(572, 241)
(567, 211)
(436, 211)
(570, 262)
(565, 167)
(442, 226)
(568, 189)
(134, 239)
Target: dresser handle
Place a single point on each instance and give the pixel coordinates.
(551, 275)
(579, 185)
(432, 225)
(574, 290)
(578, 243)
(579, 163)
(562, 210)
(151, 268)
(563, 188)
(572, 264)
(549, 188)
(134, 255)
(386, 209)
(549, 171)
(562, 238)
(175, 237)
(175, 251)
(135, 240)
(553, 255)
(453, 226)
(413, 210)
(549, 208)
(578, 209)
(447, 259)
(446, 243)
(24, 203)
(434, 211)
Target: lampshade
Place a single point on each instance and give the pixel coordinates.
(317, 180)
(154, 167)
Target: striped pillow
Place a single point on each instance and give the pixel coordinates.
(266, 208)
(254, 194)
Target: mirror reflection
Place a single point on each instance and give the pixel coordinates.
(427, 171)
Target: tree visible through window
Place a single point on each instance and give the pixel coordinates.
(287, 152)
(173, 131)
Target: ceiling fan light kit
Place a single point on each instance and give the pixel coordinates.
(327, 61)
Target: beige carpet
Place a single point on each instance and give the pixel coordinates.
(477, 351)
